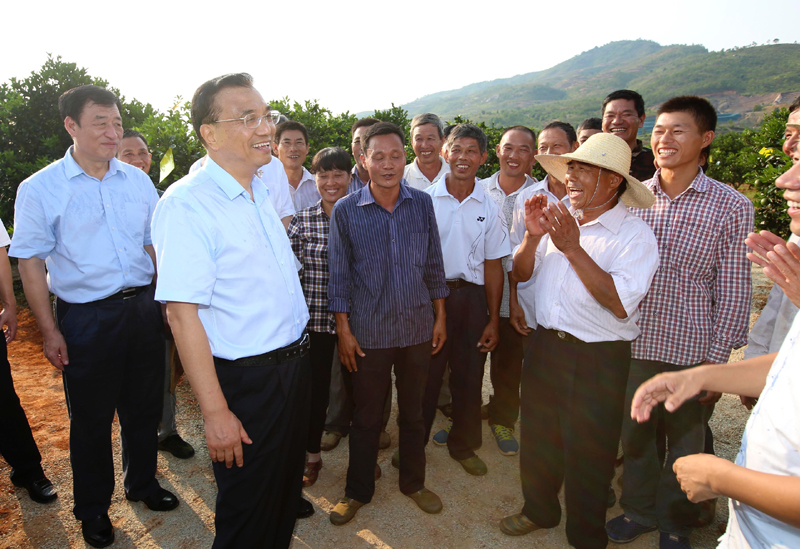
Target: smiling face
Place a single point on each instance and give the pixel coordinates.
(554, 141)
(790, 180)
(232, 145)
(621, 119)
(385, 160)
(465, 158)
(292, 149)
(792, 137)
(133, 151)
(581, 181)
(515, 153)
(332, 184)
(426, 143)
(355, 145)
(97, 134)
(677, 141)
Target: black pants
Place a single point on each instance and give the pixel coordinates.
(257, 503)
(16, 440)
(116, 363)
(506, 373)
(466, 319)
(572, 403)
(322, 346)
(371, 382)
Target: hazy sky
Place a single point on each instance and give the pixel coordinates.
(355, 56)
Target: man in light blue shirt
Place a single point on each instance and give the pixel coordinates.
(86, 218)
(238, 315)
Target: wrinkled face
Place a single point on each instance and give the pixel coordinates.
(332, 184)
(356, 146)
(98, 132)
(583, 135)
(234, 143)
(677, 142)
(292, 148)
(426, 143)
(133, 151)
(790, 181)
(581, 181)
(385, 160)
(554, 141)
(515, 153)
(465, 158)
(792, 137)
(620, 118)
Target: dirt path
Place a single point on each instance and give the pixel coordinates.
(473, 506)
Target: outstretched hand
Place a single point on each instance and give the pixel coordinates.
(672, 388)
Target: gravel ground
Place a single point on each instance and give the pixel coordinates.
(472, 505)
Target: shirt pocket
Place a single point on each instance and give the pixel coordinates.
(418, 248)
(136, 220)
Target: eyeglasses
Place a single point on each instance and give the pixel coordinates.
(252, 120)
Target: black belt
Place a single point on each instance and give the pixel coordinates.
(565, 336)
(127, 293)
(457, 283)
(292, 351)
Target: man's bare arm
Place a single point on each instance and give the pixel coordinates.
(34, 282)
(224, 431)
(348, 344)
(8, 316)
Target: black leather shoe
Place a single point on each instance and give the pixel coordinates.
(98, 531)
(162, 500)
(176, 446)
(305, 509)
(40, 490)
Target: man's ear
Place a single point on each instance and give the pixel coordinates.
(708, 137)
(615, 180)
(71, 125)
(209, 133)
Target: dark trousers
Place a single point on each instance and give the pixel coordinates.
(322, 346)
(371, 382)
(16, 440)
(651, 493)
(341, 405)
(572, 400)
(466, 319)
(116, 363)
(506, 373)
(257, 503)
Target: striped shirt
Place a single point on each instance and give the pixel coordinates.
(698, 307)
(308, 233)
(386, 268)
(355, 181)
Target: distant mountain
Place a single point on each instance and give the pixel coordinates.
(573, 90)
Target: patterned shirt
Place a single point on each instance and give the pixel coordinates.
(698, 307)
(308, 233)
(386, 268)
(355, 181)
(642, 162)
(506, 203)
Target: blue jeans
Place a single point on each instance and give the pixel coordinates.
(651, 494)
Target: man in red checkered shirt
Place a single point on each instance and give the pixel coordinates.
(696, 312)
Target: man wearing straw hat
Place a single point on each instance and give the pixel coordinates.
(591, 264)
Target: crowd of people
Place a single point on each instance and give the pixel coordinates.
(607, 297)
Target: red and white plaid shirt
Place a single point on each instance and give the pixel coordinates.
(698, 307)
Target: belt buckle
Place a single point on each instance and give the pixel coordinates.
(128, 293)
(561, 334)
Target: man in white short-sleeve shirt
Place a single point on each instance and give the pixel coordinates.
(426, 139)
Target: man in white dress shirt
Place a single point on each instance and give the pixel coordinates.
(591, 264)
(426, 139)
(291, 146)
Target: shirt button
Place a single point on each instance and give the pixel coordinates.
(120, 249)
(556, 303)
(393, 240)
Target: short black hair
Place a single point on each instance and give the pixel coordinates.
(630, 95)
(522, 129)
(446, 131)
(591, 124)
(288, 126)
(204, 109)
(469, 130)
(134, 133)
(332, 158)
(381, 128)
(795, 104)
(701, 110)
(363, 123)
(565, 127)
(72, 102)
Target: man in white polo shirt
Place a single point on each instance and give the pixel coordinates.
(474, 240)
(426, 139)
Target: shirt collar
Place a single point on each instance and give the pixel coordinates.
(612, 219)
(443, 169)
(316, 210)
(493, 183)
(367, 197)
(544, 187)
(638, 148)
(306, 177)
(228, 184)
(440, 189)
(73, 169)
(700, 182)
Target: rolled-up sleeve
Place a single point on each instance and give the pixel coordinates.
(184, 246)
(340, 257)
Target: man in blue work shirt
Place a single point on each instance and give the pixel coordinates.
(86, 218)
(385, 270)
(238, 316)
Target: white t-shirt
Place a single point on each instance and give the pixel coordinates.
(417, 180)
(4, 239)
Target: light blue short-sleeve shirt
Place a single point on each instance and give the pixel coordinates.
(90, 232)
(229, 254)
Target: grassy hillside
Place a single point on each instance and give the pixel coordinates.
(574, 89)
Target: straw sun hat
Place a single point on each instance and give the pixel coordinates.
(606, 151)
